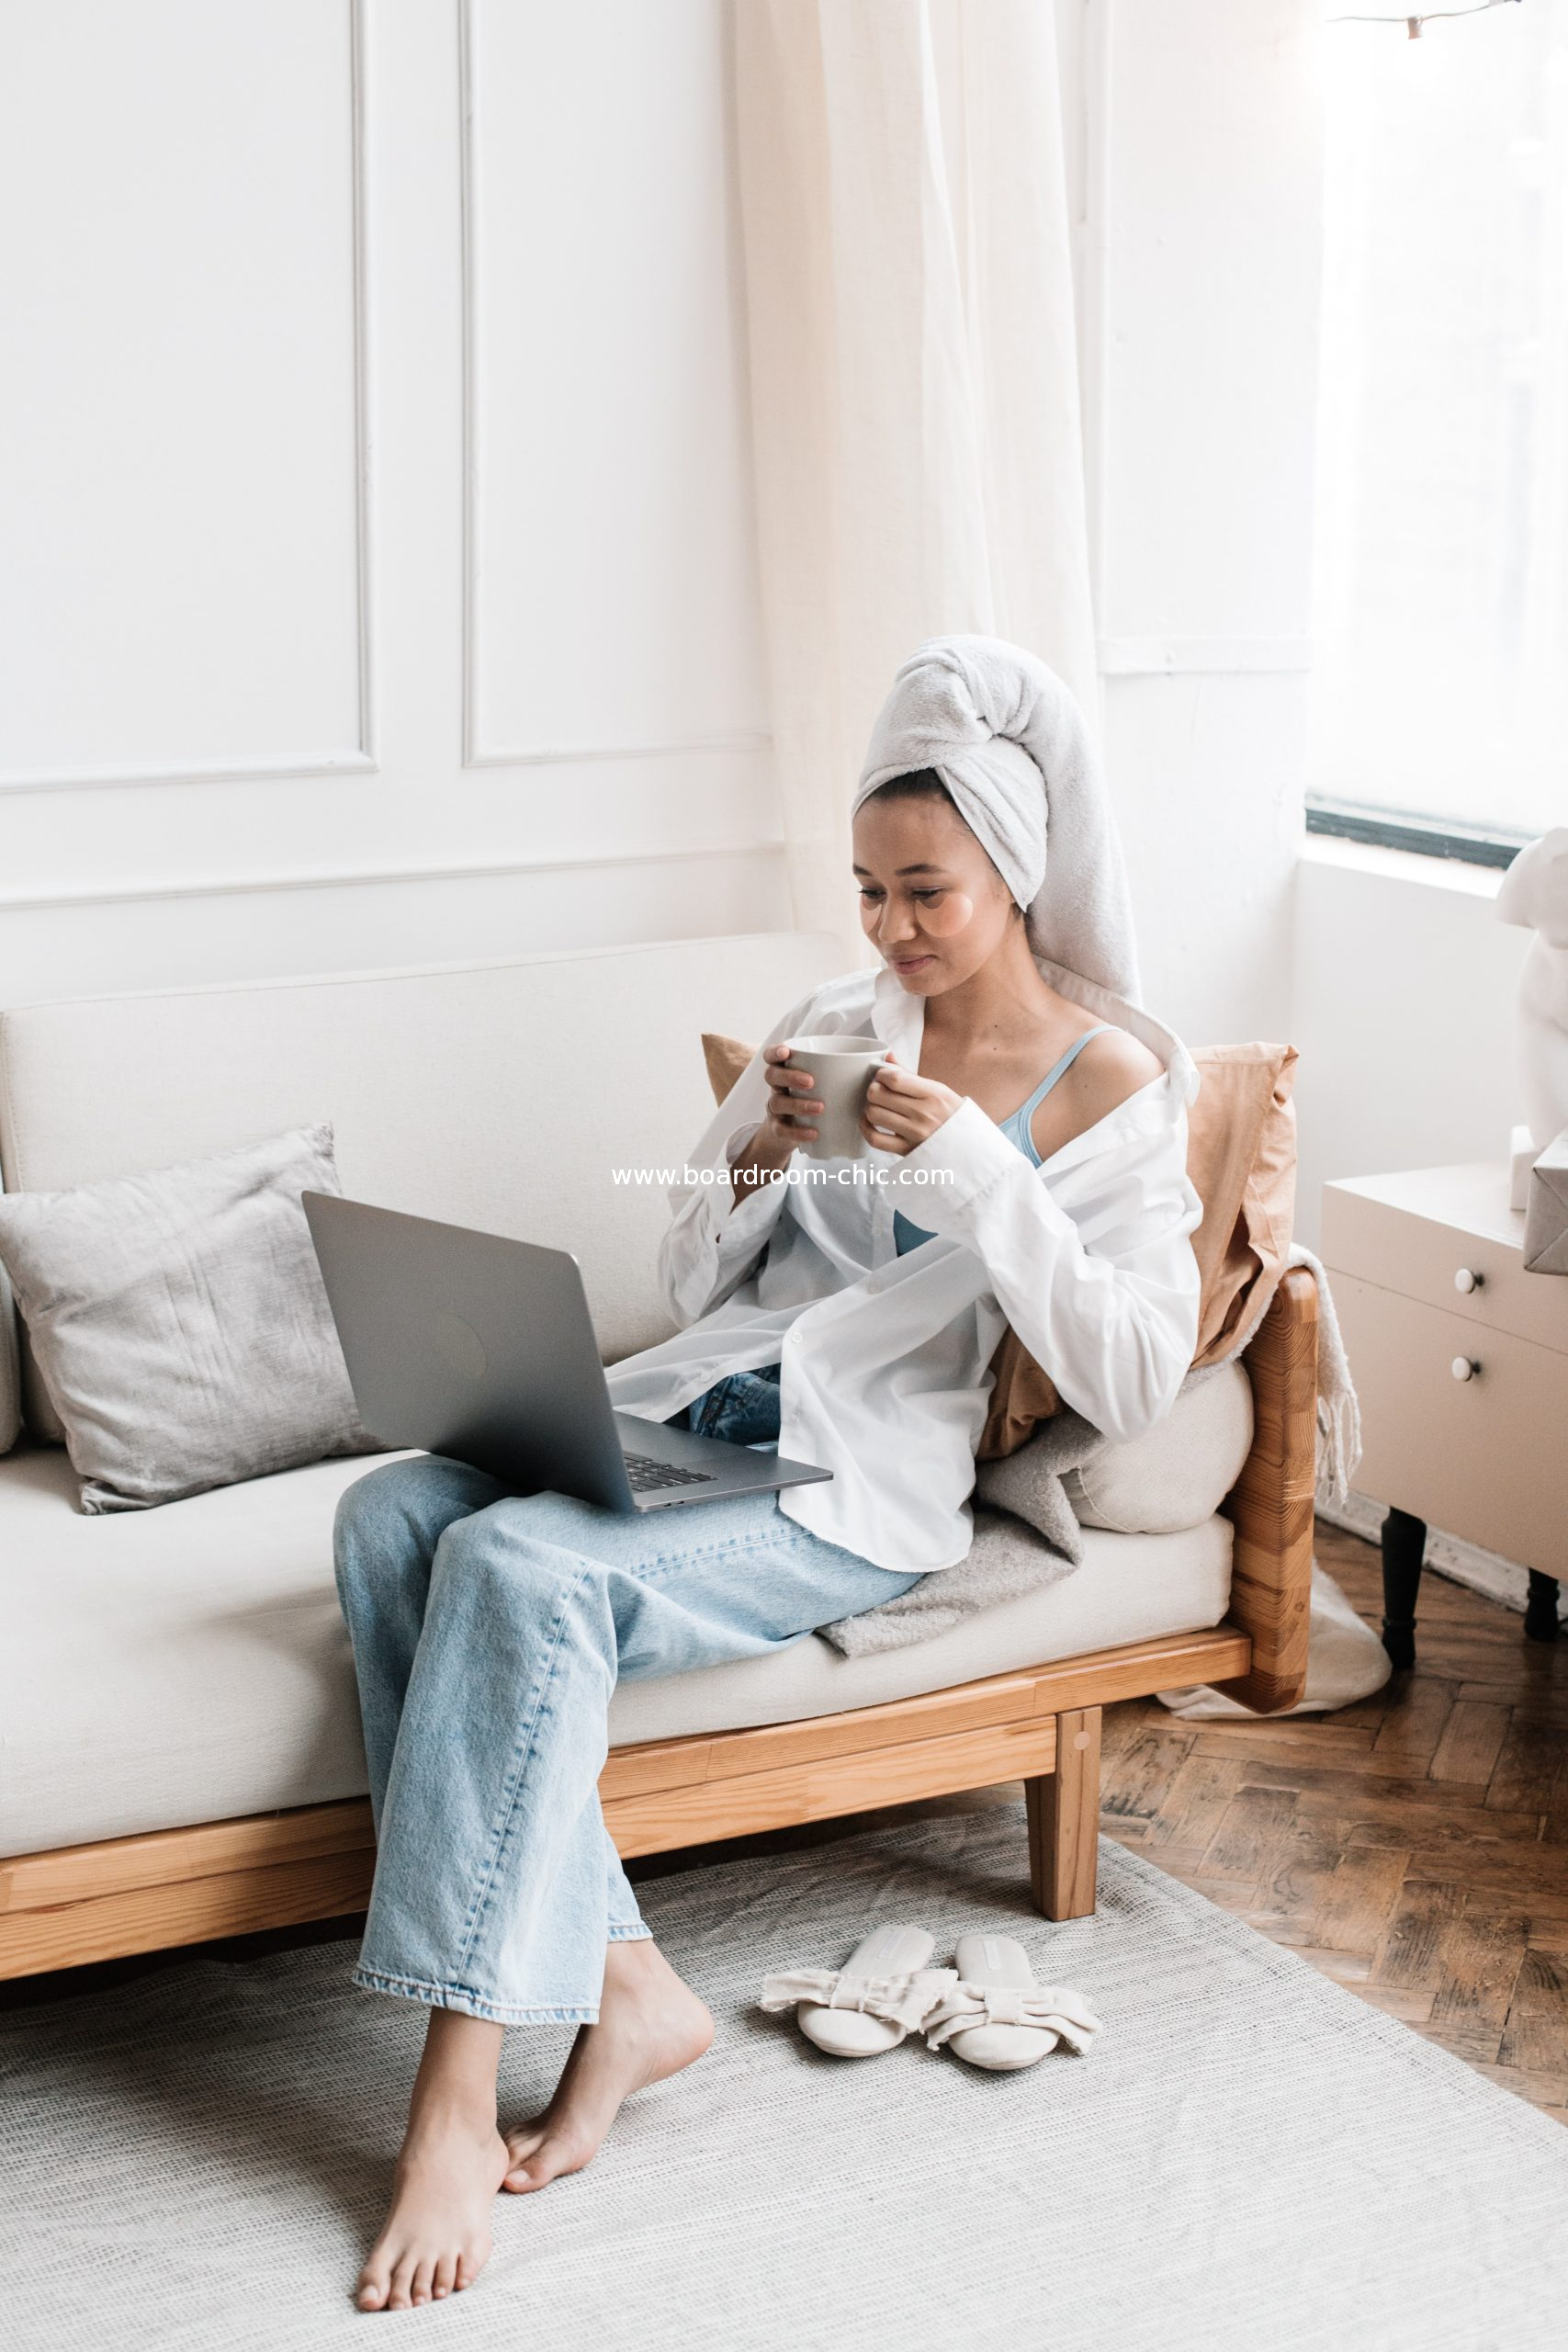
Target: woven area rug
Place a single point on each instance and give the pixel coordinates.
(1247, 2157)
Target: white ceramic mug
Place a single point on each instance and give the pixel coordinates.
(841, 1067)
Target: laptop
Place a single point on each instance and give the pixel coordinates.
(484, 1348)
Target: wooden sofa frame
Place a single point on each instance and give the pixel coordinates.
(1041, 1724)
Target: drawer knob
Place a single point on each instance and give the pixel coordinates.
(1467, 1279)
(1465, 1367)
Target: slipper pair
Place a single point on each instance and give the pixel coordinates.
(987, 2008)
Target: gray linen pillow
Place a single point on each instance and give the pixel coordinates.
(39, 1416)
(179, 1321)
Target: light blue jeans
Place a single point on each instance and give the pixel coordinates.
(488, 1631)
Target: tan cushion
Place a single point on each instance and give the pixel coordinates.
(1241, 1157)
(190, 1663)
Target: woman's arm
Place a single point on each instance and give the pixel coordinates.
(1097, 1276)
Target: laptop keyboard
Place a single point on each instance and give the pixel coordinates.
(645, 1472)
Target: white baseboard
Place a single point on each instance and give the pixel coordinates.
(1450, 1556)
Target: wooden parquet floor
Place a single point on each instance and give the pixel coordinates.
(1414, 1846)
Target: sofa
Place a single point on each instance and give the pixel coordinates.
(180, 1744)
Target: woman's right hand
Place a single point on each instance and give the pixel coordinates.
(788, 1092)
(789, 1098)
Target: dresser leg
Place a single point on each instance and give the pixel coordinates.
(1540, 1609)
(1403, 1547)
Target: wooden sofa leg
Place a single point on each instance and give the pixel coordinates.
(1064, 1819)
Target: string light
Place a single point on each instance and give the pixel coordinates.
(1428, 16)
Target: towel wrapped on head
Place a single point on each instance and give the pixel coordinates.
(1009, 742)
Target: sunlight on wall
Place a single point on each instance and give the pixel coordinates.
(1441, 595)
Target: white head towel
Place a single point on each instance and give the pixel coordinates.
(1009, 742)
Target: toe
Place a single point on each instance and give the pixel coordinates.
(420, 2284)
(553, 2157)
(400, 2298)
(370, 2288)
(540, 2168)
(445, 2276)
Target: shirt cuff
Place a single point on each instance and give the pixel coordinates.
(740, 1225)
(944, 1176)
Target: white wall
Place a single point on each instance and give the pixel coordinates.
(1202, 172)
(391, 484)
(1199, 181)
(378, 581)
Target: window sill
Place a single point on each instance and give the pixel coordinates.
(1451, 876)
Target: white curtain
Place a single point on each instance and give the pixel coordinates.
(913, 369)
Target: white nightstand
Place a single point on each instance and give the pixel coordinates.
(1460, 1363)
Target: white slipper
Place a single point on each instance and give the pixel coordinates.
(998, 2017)
(882, 1992)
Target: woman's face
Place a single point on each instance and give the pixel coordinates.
(932, 902)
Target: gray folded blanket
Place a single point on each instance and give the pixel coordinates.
(1028, 1485)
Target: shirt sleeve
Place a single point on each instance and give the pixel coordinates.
(715, 1241)
(1095, 1272)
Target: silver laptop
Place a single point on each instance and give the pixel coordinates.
(484, 1348)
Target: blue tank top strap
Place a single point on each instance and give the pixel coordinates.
(1016, 1127)
(907, 1235)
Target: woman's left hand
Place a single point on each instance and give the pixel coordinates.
(902, 1108)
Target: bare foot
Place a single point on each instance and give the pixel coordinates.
(650, 2025)
(437, 2239)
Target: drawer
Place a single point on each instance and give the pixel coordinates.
(1485, 1458)
(1419, 1255)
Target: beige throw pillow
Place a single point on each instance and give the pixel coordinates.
(180, 1324)
(1241, 1157)
(1177, 1475)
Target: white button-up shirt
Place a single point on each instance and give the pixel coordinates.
(886, 1359)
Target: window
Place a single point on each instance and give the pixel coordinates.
(1441, 621)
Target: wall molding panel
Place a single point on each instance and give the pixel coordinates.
(364, 503)
(578, 753)
(230, 886)
(358, 758)
(1094, 281)
(282, 769)
(479, 749)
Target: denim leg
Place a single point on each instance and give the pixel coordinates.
(745, 1407)
(492, 1889)
(384, 1538)
(625, 1924)
(385, 1535)
(494, 1892)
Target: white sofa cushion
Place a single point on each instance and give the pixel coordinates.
(191, 1664)
(1178, 1474)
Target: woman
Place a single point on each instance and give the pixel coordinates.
(488, 1630)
